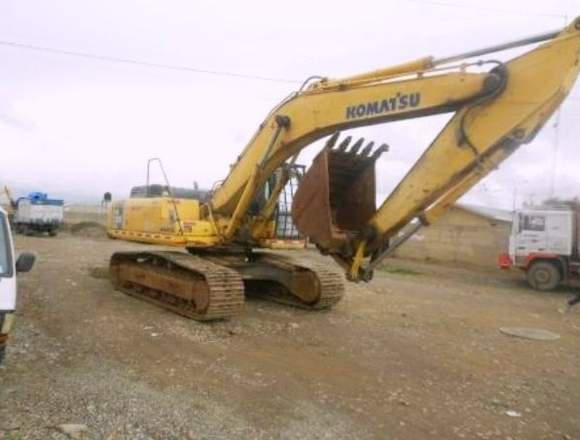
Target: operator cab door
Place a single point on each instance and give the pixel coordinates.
(548, 232)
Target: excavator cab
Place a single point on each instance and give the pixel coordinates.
(336, 197)
(281, 232)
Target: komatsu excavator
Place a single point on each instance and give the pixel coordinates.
(496, 106)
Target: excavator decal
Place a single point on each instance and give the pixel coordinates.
(398, 102)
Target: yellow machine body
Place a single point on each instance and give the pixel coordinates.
(160, 220)
(178, 222)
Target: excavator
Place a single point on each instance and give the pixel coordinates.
(496, 107)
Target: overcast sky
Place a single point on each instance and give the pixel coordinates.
(70, 125)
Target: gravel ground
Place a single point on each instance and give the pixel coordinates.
(416, 354)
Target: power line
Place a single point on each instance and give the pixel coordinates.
(143, 63)
(168, 66)
(486, 8)
(555, 152)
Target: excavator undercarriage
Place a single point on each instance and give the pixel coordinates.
(285, 279)
(211, 285)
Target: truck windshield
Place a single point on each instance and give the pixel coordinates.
(5, 260)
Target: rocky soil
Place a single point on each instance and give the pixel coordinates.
(416, 354)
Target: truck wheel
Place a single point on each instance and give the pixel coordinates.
(52, 232)
(543, 275)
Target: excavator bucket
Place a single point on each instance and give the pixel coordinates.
(336, 196)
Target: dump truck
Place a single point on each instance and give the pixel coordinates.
(37, 213)
(9, 267)
(545, 244)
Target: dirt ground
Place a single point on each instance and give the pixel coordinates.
(416, 354)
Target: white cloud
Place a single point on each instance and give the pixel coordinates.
(71, 123)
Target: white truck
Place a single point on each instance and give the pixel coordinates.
(9, 267)
(38, 214)
(544, 243)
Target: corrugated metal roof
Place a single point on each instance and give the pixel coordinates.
(502, 215)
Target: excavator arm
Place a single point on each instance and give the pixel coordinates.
(321, 110)
(495, 111)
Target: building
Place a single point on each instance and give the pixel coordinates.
(465, 234)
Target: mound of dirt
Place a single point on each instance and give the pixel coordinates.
(89, 230)
(99, 272)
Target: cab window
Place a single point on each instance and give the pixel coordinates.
(5, 260)
(532, 222)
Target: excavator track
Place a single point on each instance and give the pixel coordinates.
(325, 287)
(188, 285)
(331, 287)
(331, 291)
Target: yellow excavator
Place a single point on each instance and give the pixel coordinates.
(496, 106)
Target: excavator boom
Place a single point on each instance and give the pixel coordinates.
(495, 111)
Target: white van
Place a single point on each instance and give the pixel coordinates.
(9, 267)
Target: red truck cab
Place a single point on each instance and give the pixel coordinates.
(544, 244)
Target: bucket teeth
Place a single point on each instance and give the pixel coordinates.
(366, 150)
(344, 144)
(382, 149)
(332, 140)
(354, 149)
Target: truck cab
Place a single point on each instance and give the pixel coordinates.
(9, 267)
(544, 244)
(37, 213)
